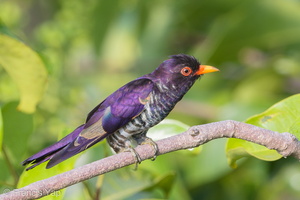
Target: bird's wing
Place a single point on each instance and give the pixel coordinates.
(121, 106)
(110, 115)
(131, 102)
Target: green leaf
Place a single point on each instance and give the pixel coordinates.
(1, 130)
(284, 116)
(4, 172)
(5, 30)
(40, 173)
(128, 184)
(165, 183)
(168, 128)
(17, 127)
(26, 69)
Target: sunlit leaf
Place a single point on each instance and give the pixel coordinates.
(26, 69)
(284, 116)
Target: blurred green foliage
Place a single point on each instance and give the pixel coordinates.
(90, 48)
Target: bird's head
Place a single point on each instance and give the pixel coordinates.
(181, 71)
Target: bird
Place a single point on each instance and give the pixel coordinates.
(126, 115)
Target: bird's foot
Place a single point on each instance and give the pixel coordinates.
(137, 157)
(141, 141)
(147, 140)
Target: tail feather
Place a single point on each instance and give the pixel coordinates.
(52, 150)
(71, 150)
(37, 162)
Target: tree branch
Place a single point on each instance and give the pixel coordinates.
(285, 143)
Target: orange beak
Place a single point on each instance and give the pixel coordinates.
(203, 69)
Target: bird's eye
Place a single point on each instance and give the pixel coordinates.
(186, 71)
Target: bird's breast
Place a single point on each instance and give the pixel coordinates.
(158, 107)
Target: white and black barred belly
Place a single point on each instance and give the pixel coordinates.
(158, 107)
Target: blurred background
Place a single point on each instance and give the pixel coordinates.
(93, 47)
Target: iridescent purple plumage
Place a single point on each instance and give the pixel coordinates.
(128, 113)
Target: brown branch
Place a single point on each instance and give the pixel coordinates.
(285, 143)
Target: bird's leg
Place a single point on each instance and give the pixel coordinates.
(129, 148)
(143, 139)
(137, 157)
(148, 140)
(124, 146)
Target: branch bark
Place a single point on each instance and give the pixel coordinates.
(285, 143)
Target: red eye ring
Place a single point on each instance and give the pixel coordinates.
(186, 71)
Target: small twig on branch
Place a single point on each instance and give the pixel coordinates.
(285, 143)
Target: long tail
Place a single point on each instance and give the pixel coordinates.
(49, 152)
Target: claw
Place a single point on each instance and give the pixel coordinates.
(153, 144)
(137, 157)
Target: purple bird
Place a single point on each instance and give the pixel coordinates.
(128, 113)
